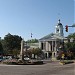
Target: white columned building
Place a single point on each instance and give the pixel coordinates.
(51, 42)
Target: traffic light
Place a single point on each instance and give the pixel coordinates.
(31, 35)
(66, 28)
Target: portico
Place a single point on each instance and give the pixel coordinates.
(49, 47)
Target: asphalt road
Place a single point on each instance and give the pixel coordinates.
(53, 68)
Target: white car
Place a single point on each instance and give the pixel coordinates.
(1, 60)
(26, 58)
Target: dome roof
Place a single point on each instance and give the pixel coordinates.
(59, 22)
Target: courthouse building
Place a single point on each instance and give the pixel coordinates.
(50, 44)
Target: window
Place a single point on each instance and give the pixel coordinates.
(41, 45)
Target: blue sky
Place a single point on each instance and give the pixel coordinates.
(23, 17)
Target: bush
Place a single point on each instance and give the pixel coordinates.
(10, 63)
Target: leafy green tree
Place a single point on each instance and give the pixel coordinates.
(11, 43)
(1, 48)
(33, 41)
(72, 35)
(35, 51)
(70, 46)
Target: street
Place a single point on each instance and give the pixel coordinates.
(53, 68)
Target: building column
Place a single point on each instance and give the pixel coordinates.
(47, 55)
(39, 44)
(54, 53)
(52, 45)
(55, 45)
(47, 46)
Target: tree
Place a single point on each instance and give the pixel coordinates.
(72, 35)
(35, 51)
(32, 41)
(70, 46)
(11, 43)
(1, 48)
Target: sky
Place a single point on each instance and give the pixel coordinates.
(39, 17)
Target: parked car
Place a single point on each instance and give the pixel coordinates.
(26, 58)
(1, 60)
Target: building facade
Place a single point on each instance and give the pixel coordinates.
(51, 43)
